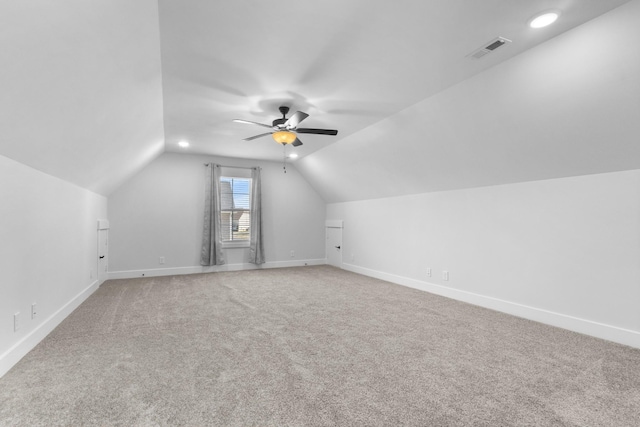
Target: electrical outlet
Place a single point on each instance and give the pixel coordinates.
(16, 322)
(445, 275)
(429, 272)
(34, 311)
(161, 260)
(293, 254)
(353, 257)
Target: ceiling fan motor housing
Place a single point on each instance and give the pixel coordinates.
(277, 122)
(283, 110)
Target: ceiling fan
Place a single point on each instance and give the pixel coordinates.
(284, 131)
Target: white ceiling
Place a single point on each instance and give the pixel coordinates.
(348, 64)
(569, 107)
(94, 91)
(80, 85)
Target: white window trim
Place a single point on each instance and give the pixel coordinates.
(235, 244)
(236, 173)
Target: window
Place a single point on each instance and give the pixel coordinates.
(235, 210)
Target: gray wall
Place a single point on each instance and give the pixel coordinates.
(159, 213)
(562, 251)
(48, 253)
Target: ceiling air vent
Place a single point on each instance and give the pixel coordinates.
(489, 47)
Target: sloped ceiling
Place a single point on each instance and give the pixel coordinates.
(569, 107)
(349, 64)
(93, 91)
(81, 94)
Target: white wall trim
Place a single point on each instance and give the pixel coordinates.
(16, 352)
(583, 326)
(130, 274)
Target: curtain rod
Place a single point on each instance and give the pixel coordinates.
(235, 167)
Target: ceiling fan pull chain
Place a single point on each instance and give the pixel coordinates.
(284, 158)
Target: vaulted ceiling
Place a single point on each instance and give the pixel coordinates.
(93, 91)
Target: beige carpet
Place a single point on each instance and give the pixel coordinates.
(311, 346)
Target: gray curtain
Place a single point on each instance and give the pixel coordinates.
(211, 237)
(256, 248)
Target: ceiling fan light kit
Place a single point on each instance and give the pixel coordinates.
(284, 137)
(285, 130)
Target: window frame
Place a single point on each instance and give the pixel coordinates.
(245, 175)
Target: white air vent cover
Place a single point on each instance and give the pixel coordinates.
(489, 47)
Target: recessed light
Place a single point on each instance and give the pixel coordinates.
(183, 144)
(292, 156)
(544, 19)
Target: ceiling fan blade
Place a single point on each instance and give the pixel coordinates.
(295, 119)
(252, 123)
(318, 131)
(296, 143)
(257, 136)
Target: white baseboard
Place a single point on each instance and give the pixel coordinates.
(583, 326)
(156, 272)
(13, 355)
